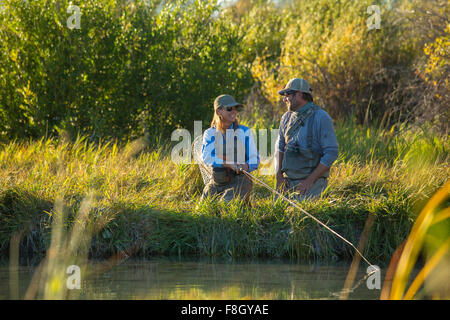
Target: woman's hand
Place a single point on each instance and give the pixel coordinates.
(231, 166)
(238, 168)
(243, 167)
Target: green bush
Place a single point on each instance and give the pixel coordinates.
(349, 65)
(130, 66)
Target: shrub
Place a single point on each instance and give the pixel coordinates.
(352, 69)
(131, 66)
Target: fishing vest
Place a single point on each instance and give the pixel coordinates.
(299, 163)
(222, 175)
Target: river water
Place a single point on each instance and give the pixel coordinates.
(166, 278)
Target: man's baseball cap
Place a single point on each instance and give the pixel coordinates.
(225, 100)
(296, 84)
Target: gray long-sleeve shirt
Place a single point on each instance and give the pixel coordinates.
(324, 138)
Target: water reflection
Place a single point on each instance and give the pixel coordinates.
(164, 278)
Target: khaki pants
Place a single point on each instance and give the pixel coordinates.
(238, 187)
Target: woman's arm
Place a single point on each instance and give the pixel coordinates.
(253, 156)
(209, 156)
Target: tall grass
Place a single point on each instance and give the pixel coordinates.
(149, 205)
(431, 234)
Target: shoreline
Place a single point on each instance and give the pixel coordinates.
(228, 231)
(133, 197)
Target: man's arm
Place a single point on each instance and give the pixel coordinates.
(329, 145)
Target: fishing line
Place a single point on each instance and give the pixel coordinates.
(344, 291)
(305, 212)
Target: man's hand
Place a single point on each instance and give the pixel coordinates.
(304, 186)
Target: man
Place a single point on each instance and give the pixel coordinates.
(307, 144)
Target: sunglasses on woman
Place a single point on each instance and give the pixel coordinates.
(229, 109)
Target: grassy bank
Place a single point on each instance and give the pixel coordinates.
(141, 203)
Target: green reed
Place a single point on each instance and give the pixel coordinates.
(148, 205)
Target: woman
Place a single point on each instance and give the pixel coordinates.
(229, 149)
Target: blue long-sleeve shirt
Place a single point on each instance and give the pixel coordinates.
(243, 134)
(324, 139)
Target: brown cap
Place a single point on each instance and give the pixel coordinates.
(225, 100)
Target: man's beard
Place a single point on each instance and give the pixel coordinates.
(292, 107)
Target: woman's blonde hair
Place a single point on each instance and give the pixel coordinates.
(218, 123)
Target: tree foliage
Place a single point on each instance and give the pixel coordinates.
(373, 73)
(130, 66)
(154, 65)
